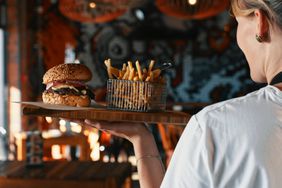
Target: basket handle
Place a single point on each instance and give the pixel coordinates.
(165, 66)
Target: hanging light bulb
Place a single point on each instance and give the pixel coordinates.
(192, 2)
(96, 11)
(192, 9)
(92, 5)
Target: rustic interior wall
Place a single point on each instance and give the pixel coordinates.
(209, 66)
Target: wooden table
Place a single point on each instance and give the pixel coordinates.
(65, 174)
(65, 139)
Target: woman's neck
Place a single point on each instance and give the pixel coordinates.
(274, 57)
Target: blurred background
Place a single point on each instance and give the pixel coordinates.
(197, 36)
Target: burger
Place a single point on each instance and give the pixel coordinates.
(65, 85)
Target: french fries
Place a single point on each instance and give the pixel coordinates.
(141, 94)
(129, 72)
(108, 65)
(152, 63)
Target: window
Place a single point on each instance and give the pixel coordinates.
(2, 98)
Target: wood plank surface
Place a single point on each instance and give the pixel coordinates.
(64, 174)
(166, 117)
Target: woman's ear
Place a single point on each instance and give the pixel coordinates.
(262, 29)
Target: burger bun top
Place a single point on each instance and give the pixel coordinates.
(71, 71)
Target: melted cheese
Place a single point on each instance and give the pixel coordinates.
(57, 87)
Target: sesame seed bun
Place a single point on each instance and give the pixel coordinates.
(71, 71)
(70, 77)
(69, 100)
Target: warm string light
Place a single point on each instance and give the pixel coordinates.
(49, 119)
(75, 127)
(51, 133)
(56, 152)
(192, 2)
(92, 5)
(93, 139)
(63, 126)
(94, 145)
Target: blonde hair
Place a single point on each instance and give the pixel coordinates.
(271, 8)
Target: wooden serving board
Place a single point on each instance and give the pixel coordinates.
(101, 113)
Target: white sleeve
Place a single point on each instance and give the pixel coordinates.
(190, 166)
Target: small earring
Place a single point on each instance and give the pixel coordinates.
(259, 38)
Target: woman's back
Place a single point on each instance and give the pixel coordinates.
(236, 143)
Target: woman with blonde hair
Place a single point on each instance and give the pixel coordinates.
(236, 143)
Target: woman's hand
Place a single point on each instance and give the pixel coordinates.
(150, 169)
(133, 132)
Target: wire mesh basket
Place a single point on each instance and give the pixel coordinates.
(136, 96)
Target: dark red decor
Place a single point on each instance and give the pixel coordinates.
(90, 11)
(200, 10)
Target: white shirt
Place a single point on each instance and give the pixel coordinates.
(232, 144)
